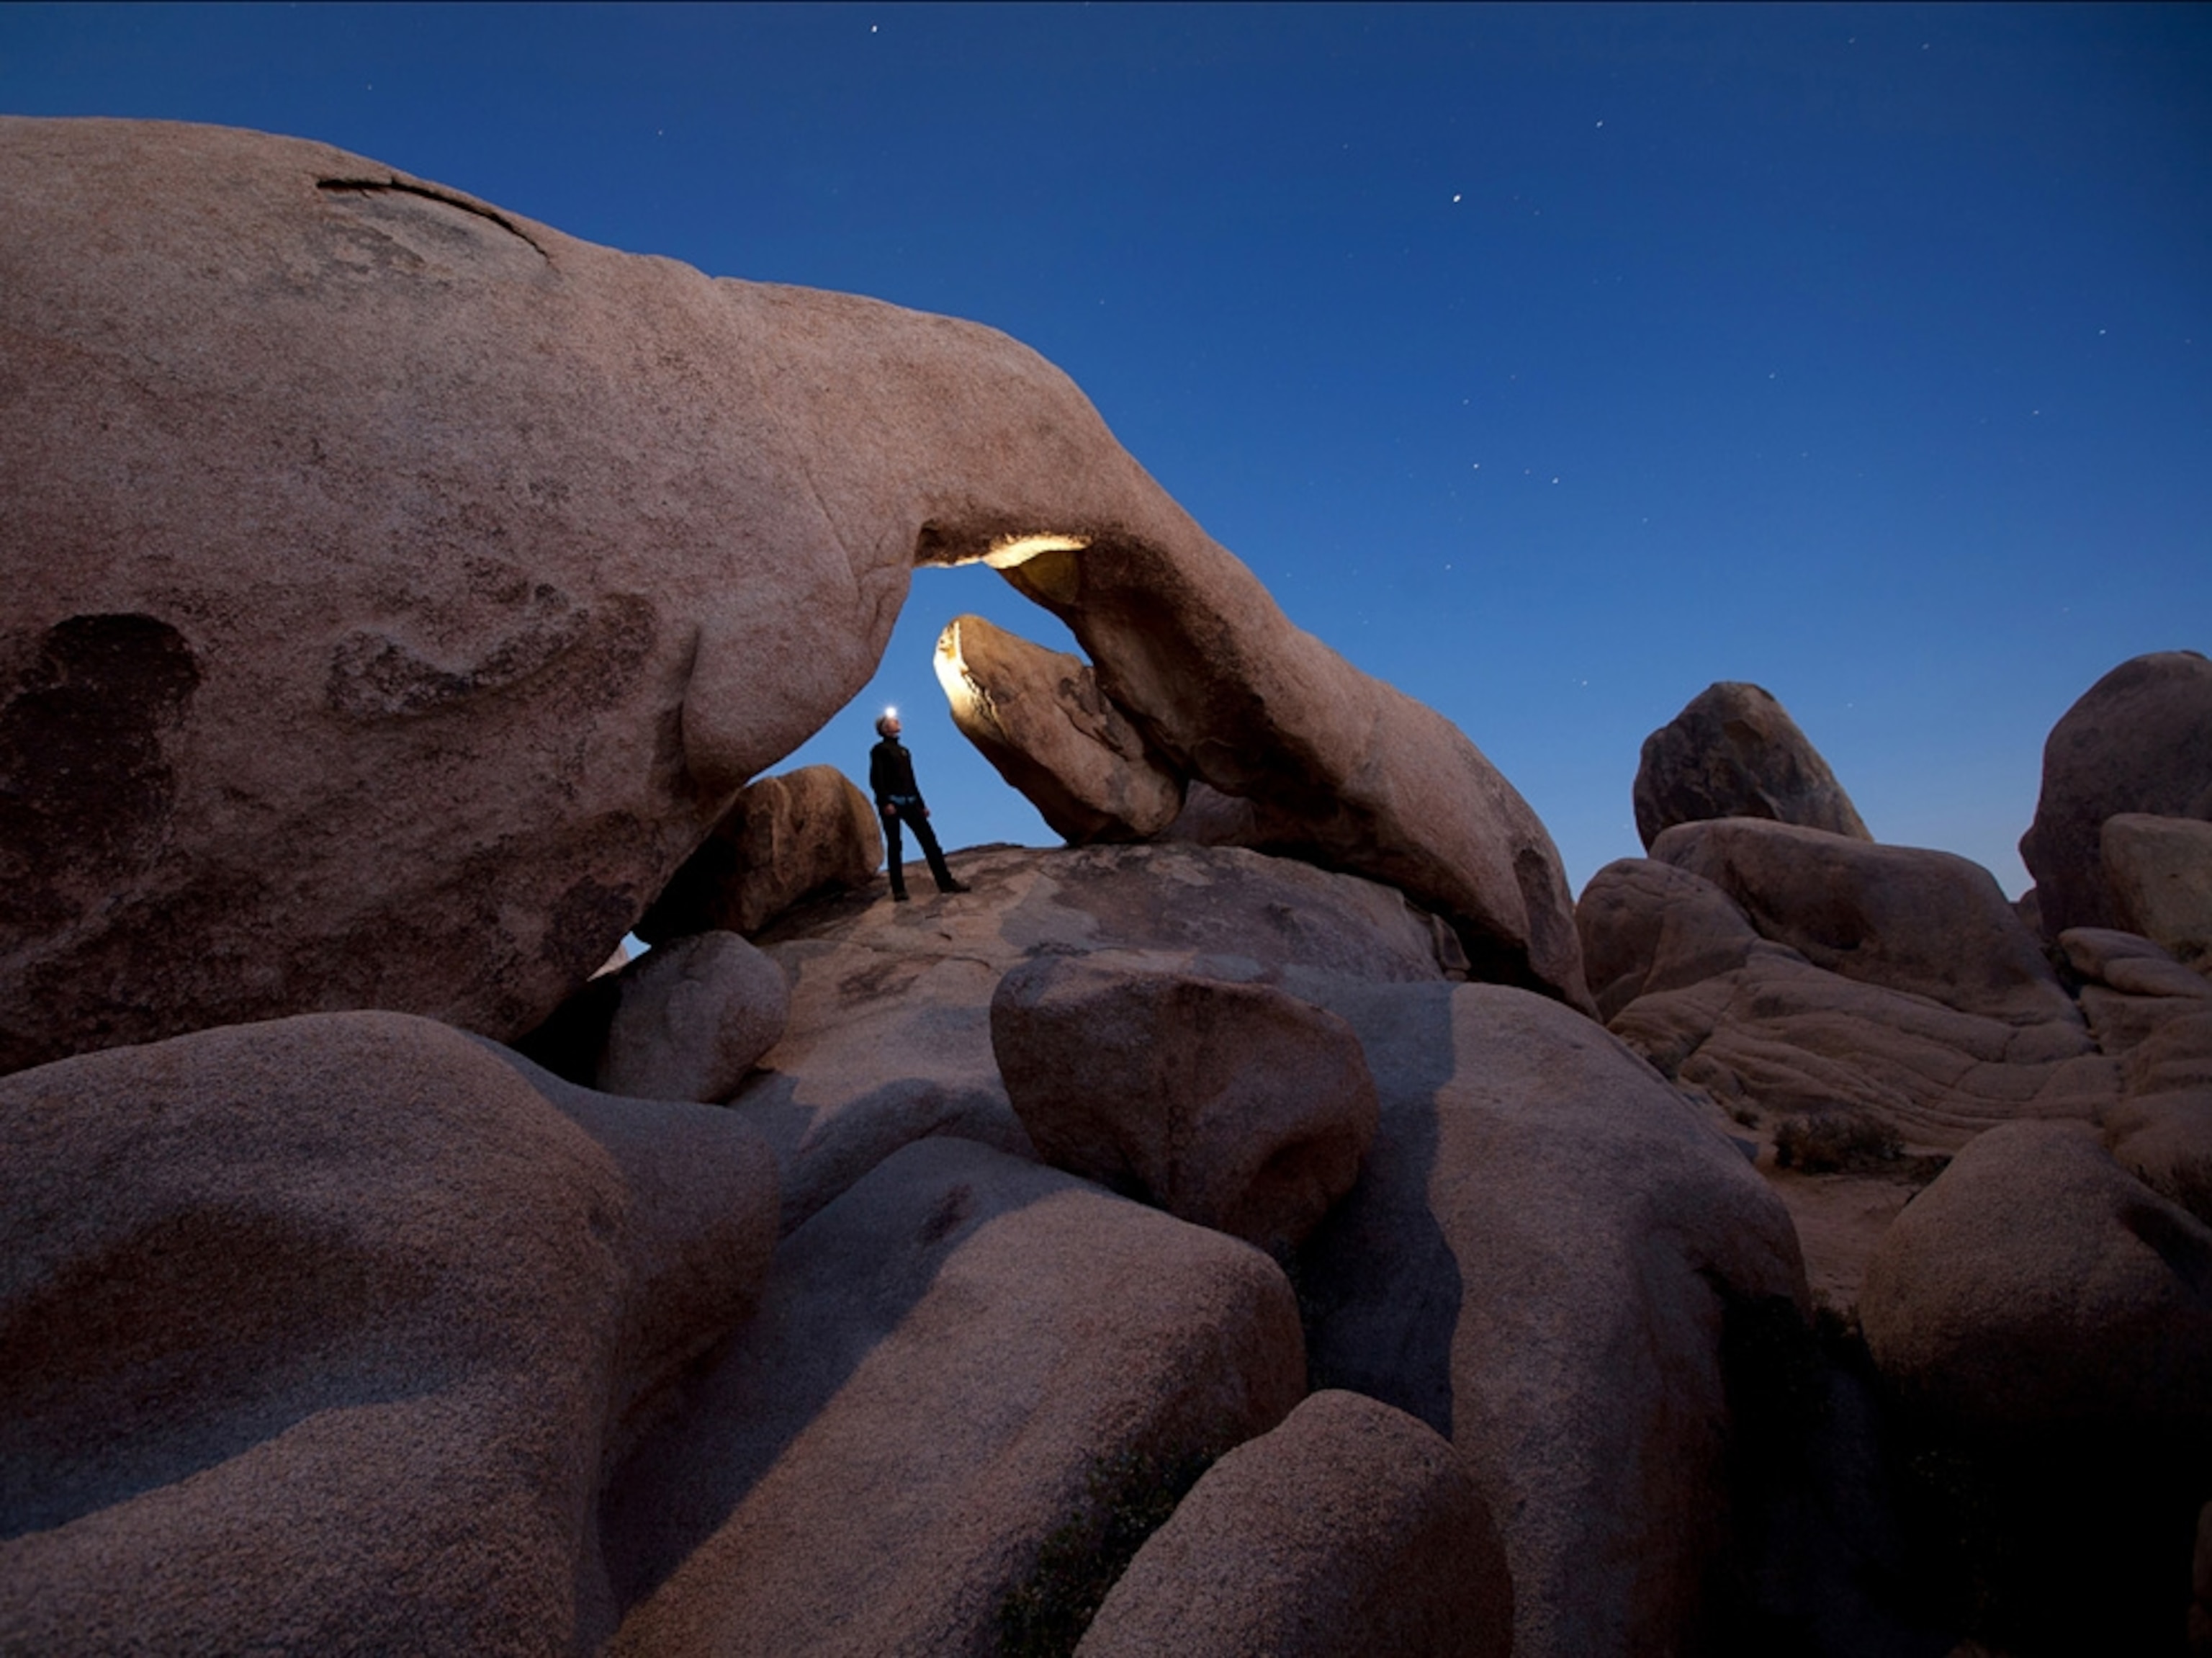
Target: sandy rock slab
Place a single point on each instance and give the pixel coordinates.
(962, 1369)
(1735, 753)
(1541, 1260)
(890, 1034)
(1231, 1105)
(318, 1333)
(1350, 1529)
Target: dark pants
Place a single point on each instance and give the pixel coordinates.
(914, 815)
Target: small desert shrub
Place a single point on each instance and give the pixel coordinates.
(1127, 1497)
(1835, 1142)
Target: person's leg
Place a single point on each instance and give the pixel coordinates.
(896, 868)
(943, 876)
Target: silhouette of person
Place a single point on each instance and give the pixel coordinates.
(898, 801)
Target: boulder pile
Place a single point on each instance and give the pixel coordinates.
(1279, 1220)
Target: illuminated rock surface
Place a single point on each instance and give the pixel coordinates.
(890, 1034)
(1039, 718)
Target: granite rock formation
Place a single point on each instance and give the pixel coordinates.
(1350, 1529)
(2140, 739)
(1039, 718)
(2158, 874)
(1541, 1261)
(595, 539)
(321, 1332)
(1232, 1106)
(962, 1355)
(690, 1020)
(797, 835)
(1735, 753)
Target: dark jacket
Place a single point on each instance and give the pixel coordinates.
(890, 773)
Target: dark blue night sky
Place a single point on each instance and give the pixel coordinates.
(1549, 362)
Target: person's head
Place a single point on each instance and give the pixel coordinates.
(888, 726)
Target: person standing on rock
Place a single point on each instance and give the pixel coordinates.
(898, 800)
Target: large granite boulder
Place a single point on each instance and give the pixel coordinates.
(1352, 1529)
(1039, 718)
(2140, 739)
(1927, 924)
(2158, 873)
(1232, 1106)
(690, 1019)
(890, 1034)
(786, 838)
(594, 539)
(2037, 1284)
(962, 1371)
(320, 1331)
(1735, 753)
(1543, 1260)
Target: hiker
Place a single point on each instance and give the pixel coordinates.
(898, 800)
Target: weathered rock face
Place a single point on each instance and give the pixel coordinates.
(2037, 1284)
(691, 1018)
(1231, 1105)
(1039, 718)
(1540, 1261)
(1647, 927)
(1855, 1011)
(1346, 772)
(1927, 924)
(1735, 753)
(792, 836)
(2158, 872)
(890, 1034)
(594, 539)
(2140, 739)
(1350, 1529)
(319, 1332)
(960, 1356)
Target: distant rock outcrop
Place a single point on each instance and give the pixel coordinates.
(1735, 753)
(2158, 874)
(2140, 739)
(1786, 972)
(1039, 718)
